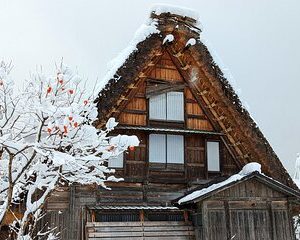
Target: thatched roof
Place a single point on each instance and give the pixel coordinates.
(226, 110)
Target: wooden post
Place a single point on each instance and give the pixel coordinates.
(142, 215)
(186, 216)
(205, 226)
(228, 220)
(291, 222)
(93, 216)
(273, 227)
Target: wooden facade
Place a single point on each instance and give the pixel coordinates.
(254, 208)
(140, 207)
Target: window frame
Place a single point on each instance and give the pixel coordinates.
(166, 109)
(123, 157)
(206, 156)
(167, 165)
(123, 161)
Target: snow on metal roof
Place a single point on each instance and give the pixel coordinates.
(247, 170)
(169, 130)
(115, 207)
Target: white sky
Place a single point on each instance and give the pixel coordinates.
(257, 40)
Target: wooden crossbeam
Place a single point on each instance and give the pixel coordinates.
(132, 86)
(202, 93)
(212, 105)
(244, 156)
(151, 64)
(178, 54)
(142, 75)
(123, 98)
(157, 54)
(227, 130)
(186, 67)
(235, 144)
(114, 110)
(220, 118)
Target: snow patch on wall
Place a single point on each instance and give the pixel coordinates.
(169, 38)
(191, 42)
(247, 170)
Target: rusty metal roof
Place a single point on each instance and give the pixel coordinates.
(152, 129)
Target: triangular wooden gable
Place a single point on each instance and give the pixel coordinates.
(210, 94)
(164, 77)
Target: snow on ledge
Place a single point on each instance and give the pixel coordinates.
(247, 170)
(182, 11)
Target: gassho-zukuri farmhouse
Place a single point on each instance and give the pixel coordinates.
(203, 169)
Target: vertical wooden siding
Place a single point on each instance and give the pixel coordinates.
(247, 211)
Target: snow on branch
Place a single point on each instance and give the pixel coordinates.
(47, 138)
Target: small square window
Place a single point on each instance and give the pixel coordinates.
(116, 161)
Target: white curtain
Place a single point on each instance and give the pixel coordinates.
(116, 162)
(157, 148)
(175, 106)
(175, 149)
(213, 156)
(157, 107)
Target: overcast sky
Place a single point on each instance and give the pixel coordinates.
(258, 41)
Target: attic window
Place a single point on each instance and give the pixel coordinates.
(213, 156)
(167, 106)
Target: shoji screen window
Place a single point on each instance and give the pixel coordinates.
(167, 106)
(116, 162)
(165, 148)
(213, 156)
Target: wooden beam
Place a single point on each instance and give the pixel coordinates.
(203, 99)
(186, 67)
(211, 105)
(142, 75)
(202, 93)
(228, 130)
(132, 86)
(235, 144)
(220, 118)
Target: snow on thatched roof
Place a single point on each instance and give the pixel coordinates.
(126, 70)
(159, 9)
(140, 35)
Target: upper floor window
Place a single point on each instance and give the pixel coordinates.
(167, 106)
(166, 148)
(213, 156)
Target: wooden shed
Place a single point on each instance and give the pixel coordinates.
(194, 131)
(253, 207)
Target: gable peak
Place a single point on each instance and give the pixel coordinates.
(171, 18)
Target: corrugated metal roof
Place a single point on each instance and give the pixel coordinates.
(169, 130)
(115, 207)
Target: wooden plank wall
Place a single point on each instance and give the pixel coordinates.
(195, 117)
(249, 210)
(129, 193)
(140, 231)
(135, 112)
